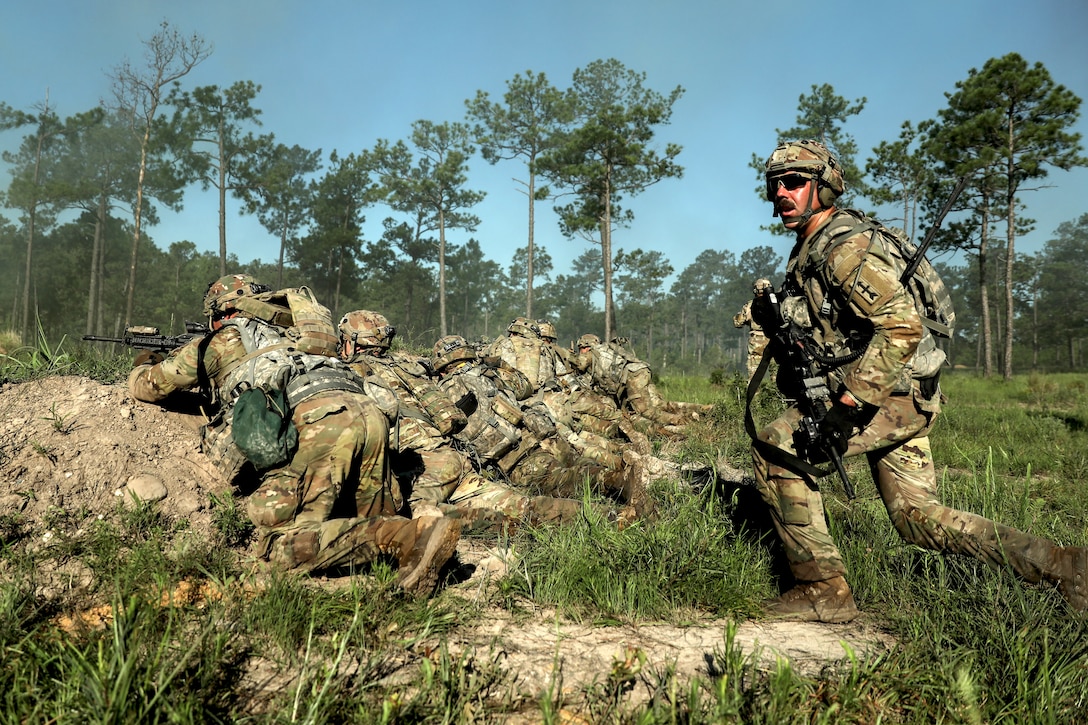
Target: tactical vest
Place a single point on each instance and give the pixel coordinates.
(419, 394)
(270, 362)
(931, 299)
(610, 366)
(492, 429)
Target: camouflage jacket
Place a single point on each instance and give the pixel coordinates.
(423, 414)
(224, 358)
(846, 292)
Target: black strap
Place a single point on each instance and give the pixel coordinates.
(202, 380)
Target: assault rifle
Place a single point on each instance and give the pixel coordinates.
(143, 337)
(806, 369)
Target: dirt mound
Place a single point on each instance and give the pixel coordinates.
(71, 449)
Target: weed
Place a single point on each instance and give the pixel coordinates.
(44, 451)
(63, 424)
(233, 526)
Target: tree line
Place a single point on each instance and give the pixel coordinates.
(85, 188)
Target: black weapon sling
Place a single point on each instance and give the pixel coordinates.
(773, 453)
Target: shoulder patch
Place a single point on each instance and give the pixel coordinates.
(865, 277)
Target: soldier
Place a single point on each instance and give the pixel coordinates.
(842, 288)
(628, 380)
(522, 440)
(340, 461)
(526, 350)
(595, 416)
(757, 339)
(423, 419)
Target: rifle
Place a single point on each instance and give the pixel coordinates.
(143, 337)
(802, 365)
(916, 260)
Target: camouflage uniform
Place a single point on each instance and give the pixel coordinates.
(331, 504)
(423, 420)
(525, 350)
(847, 295)
(629, 381)
(521, 440)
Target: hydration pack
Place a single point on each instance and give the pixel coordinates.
(306, 323)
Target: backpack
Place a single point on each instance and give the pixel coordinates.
(931, 296)
(260, 390)
(308, 323)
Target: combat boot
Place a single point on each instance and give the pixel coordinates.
(421, 546)
(825, 601)
(1069, 570)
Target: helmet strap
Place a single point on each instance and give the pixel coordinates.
(813, 193)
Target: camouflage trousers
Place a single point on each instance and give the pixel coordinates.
(323, 508)
(757, 343)
(896, 444)
(448, 484)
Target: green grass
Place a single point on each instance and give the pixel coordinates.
(976, 645)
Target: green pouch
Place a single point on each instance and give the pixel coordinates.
(262, 428)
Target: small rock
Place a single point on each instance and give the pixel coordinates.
(147, 487)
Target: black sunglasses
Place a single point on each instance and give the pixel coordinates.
(790, 182)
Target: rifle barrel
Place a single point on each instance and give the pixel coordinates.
(912, 266)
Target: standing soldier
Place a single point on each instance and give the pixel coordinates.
(757, 339)
(843, 291)
(340, 462)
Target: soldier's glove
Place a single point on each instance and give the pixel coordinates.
(147, 357)
(763, 312)
(838, 426)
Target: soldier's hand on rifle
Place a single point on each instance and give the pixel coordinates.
(847, 413)
(148, 357)
(763, 312)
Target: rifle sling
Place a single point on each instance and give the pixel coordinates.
(771, 452)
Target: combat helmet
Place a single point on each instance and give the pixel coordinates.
(449, 350)
(364, 328)
(524, 327)
(547, 330)
(220, 295)
(588, 340)
(810, 159)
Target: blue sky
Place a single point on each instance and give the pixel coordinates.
(339, 75)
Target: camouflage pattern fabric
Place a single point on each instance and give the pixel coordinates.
(627, 380)
(323, 508)
(548, 467)
(444, 479)
(858, 283)
(757, 339)
(436, 467)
